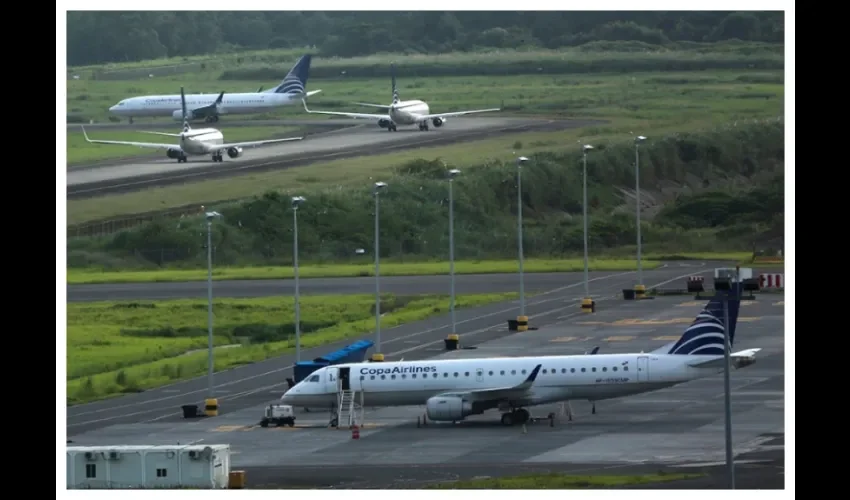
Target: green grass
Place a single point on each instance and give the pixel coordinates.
(120, 347)
(555, 481)
(82, 152)
(79, 276)
(643, 96)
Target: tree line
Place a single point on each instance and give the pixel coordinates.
(102, 37)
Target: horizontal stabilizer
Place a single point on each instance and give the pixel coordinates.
(312, 92)
(739, 359)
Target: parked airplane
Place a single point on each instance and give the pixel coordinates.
(198, 142)
(402, 112)
(209, 107)
(453, 389)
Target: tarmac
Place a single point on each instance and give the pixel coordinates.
(680, 428)
(359, 139)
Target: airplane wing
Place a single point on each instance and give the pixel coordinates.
(251, 144)
(211, 109)
(132, 143)
(349, 115)
(516, 392)
(739, 359)
(381, 106)
(455, 113)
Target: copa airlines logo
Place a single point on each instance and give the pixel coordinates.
(398, 370)
(704, 336)
(291, 85)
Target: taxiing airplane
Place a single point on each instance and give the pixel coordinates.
(209, 107)
(453, 389)
(195, 142)
(402, 112)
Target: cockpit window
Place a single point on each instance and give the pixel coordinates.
(314, 378)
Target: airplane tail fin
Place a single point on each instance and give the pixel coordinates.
(295, 82)
(705, 335)
(186, 126)
(395, 88)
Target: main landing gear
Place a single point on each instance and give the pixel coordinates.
(391, 127)
(423, 127)
(218, 157)
(517, 416)
(211, 119)
(182, 159)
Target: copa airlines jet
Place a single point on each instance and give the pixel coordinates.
(197, 142)
(454, 389)
(209, 107)
(402, 112)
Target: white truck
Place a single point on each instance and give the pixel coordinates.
(278, 415)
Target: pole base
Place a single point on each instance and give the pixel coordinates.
(640, 292)
(588, 305)
(522, 323)
(377, 357)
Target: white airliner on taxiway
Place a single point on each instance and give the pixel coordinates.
(209, 106)
(402, 112)
(454, 389)
(197, 142)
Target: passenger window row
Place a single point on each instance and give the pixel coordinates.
(545, 371)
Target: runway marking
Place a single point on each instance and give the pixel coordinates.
(228, 428)
(563, 339)
(619, 338)
(694, 303)
(667, 337)
(780, 303)
(591, 323)
(281, 369)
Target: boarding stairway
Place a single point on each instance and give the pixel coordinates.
(349, 409)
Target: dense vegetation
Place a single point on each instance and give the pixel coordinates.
(336, 222)
(96, 37)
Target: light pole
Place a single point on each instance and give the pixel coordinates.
(585, 149)
(379, 186)
(296, 202)
(639, 139)
(519, 163)
(210, 216)
(452, 174)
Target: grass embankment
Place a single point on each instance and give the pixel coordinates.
(81, 276)
(658, 103)
(557, 481)
(119, 347)
(81, 152)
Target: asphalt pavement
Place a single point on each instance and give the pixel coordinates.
(249, 385)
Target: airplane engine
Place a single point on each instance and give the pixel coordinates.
(384, 123)
(438, 122)
(448, 409)
(234, 152)
(172, 153)
(177, 115)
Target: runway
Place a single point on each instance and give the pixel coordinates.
(679, 428)
(224, 123)
(364, 138)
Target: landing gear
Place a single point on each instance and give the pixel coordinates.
(519, 416)
(211, 119)
(391, 127)
(217, 157)
(182, 159)
(423, 127)
(593, 407)
(131, 120)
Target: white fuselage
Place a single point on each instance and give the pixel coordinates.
(167, 105)
(405, 112)
(201, 141)
(561, 378)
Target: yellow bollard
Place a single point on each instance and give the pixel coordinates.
(587, 305)
(377, 357)
(522, 323)
(640, 291)
(211, 407)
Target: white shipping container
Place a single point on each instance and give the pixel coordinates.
(188, 466)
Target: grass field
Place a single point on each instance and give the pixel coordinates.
(119, 347)
(81, 152)
(77, 276)
(658, 103)
(557, 481)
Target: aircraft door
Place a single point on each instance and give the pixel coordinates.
(643, 368)
(330, 379)
(345, 378)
